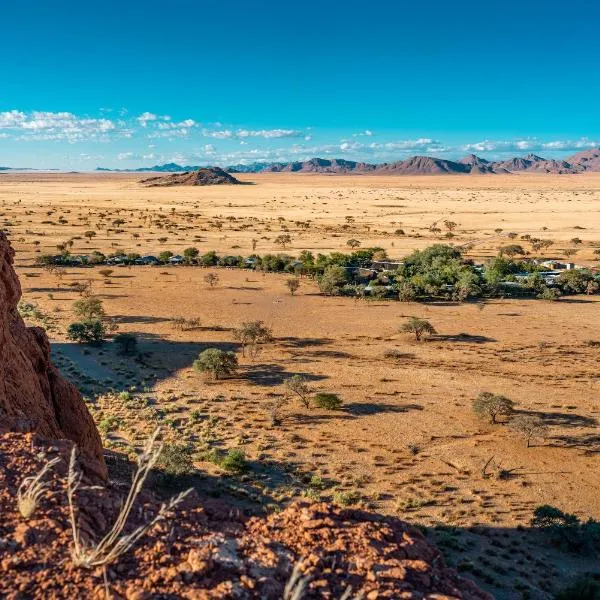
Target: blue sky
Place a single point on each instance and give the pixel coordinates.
(130, 83)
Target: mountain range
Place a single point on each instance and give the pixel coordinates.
(585, 161)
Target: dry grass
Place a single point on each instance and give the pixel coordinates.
(32, 489)
(115, 542)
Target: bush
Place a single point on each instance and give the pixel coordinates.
(491, 406)
(583, 588)
(217, 363)
(327, 401)
(90, 332)
(549, 294)
(175, 461)
(126, 344)
(235, 461)
(566, 530)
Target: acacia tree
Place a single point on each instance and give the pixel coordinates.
(353, 243)
(297, 385)
(212, 279)
(418, 327)
(283, 240)
(528, 427)
(293, 283)
(491, 406)
(253, 335)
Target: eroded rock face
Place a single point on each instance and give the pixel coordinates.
(33, 394)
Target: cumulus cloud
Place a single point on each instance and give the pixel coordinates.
(530, 145)
(224, 134)
(44, 125)
(365, 133)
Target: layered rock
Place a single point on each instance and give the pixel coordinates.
(33, 394)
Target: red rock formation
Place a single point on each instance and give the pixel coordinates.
(207, 550)
(33, 394)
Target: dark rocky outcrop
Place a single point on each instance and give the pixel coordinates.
(208, 176)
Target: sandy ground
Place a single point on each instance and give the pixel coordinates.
(369, 208)
(406, 441)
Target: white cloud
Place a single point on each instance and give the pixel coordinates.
(54, 126)
(224, 134)
(365, 133)
(530, 145)
(146, 118)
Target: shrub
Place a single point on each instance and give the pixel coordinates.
(217, 363)
(89, 308)
(212, 279)
(235, 461)
(293, 284)
(346, 498)
(126, 344)
(327, 401)
(90, 332)
(566, 530)
(190, 254)
(298, 385)
(175, 460)
(583, 588)
(549, 294)
(407, 292)
(491, 406)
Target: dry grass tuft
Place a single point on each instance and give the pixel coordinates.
(31, 490)
(115, 543)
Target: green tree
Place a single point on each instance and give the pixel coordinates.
(333, 279)
(89, 308)
(253, 335)
(190, 254)
(217, 363)
(92, 332)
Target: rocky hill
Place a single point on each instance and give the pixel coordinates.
(588, 160)
(202, 548)
(208, 176)
(322, 165)
(423, 165)
(33, 394)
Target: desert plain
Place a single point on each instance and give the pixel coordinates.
(406, 441)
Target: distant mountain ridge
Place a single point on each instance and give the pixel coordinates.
(585, 161)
